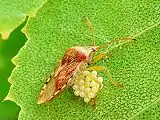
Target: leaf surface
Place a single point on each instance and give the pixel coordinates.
(60, 25)
(14, 12)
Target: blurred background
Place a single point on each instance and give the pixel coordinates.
(8, 49)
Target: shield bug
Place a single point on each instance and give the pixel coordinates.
(73, 63)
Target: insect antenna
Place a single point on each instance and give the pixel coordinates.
(91, 28)
(115, 41)
(133, 37)
(89, 24)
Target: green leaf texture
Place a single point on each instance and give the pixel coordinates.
(60, 25)
(14, 12)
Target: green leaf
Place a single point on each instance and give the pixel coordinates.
(60, 25)
(8, 49)
(14, 12)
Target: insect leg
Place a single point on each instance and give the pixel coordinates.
(101, 68)
(100, 56)
(93, 102)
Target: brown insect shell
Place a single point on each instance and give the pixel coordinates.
(77, 54)
(88, 51)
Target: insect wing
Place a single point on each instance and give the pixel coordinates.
(58, 81)
(65, 74)
(47, 91)
(50, 86)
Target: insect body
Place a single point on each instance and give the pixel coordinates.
(75, 59)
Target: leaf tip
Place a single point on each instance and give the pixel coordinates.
(8, 97)
(5, 35)
(14, 60)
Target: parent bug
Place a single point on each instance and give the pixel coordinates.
(75, 60)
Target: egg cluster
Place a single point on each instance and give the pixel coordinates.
(87, 85)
